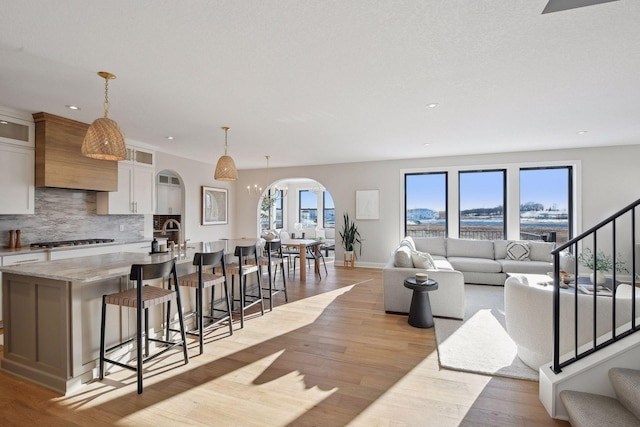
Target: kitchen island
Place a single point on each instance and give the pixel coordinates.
(52, 311)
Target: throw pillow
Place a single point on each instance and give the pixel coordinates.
(408, 242)
(402, 257)
(518, 251)
(541, 251)
(423, 260)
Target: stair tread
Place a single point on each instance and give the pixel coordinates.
(587, 409)
(626, 384)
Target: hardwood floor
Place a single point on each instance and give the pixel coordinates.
(329, 357)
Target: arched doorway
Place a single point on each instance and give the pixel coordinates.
(301, 206)
(169, 204)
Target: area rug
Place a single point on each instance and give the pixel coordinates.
(480, 342)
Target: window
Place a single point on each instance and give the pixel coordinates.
(271, 211)
(308, 213)
(545, 204)
(482, 202)
(425, 204)
(277, 222)
(328, 211)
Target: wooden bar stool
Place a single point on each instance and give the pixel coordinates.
(141, 298)
(242, 269)
(273, 258)
(201, 280)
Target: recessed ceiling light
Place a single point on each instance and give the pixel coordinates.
(433, 105)
(170, 137)
(426, 144)
(3, 122)
(582, 132)
(73, 107)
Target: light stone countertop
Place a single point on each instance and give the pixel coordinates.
(29, 249)
(98, 267)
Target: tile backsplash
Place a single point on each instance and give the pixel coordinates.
(63, 214)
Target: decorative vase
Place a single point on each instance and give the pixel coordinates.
(600, 278)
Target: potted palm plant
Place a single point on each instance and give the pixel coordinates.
(350, 238)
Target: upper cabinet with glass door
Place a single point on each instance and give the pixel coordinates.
(17, 162)
(169, 194)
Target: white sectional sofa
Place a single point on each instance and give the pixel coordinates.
(459, 261)
(487, 262)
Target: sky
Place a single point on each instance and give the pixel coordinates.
(309, 200)
(484, 190)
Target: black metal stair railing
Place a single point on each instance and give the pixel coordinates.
(628, 216)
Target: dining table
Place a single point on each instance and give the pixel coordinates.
(302, 245)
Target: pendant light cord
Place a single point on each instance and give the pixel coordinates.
(106, 98)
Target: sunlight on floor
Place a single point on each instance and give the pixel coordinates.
(417, 392)
(465, 343)
(238, 383)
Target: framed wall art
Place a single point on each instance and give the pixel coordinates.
(215, 206)
(367, 204)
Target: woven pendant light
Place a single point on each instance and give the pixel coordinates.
(104, 139)
(226, 167)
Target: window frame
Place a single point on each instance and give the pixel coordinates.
(570, 195)
(324, 209)
(513, 197)
(504, 197)
(446, 199)
(300, 209)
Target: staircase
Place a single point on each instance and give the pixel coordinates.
(587, 409)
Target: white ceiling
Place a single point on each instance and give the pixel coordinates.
(331, 81)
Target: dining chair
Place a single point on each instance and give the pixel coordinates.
(145, 295)
(288, 251)
(311, 254)
(201, 279)
(243, 269)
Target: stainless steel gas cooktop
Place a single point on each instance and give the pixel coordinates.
(63, 243)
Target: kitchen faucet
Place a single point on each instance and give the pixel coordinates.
(177, 223)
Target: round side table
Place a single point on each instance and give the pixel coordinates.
(420, 312)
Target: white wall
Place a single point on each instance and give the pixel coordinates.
(607, 184)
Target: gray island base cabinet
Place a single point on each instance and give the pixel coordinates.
(50, 328)
(52, 312)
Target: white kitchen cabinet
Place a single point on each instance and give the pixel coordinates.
(136, 187)
(24, 258)
(169, 200)
(17, 162)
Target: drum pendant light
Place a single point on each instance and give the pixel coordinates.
(226, 167)
(104, 139)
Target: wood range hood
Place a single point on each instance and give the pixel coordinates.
(59, 162)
